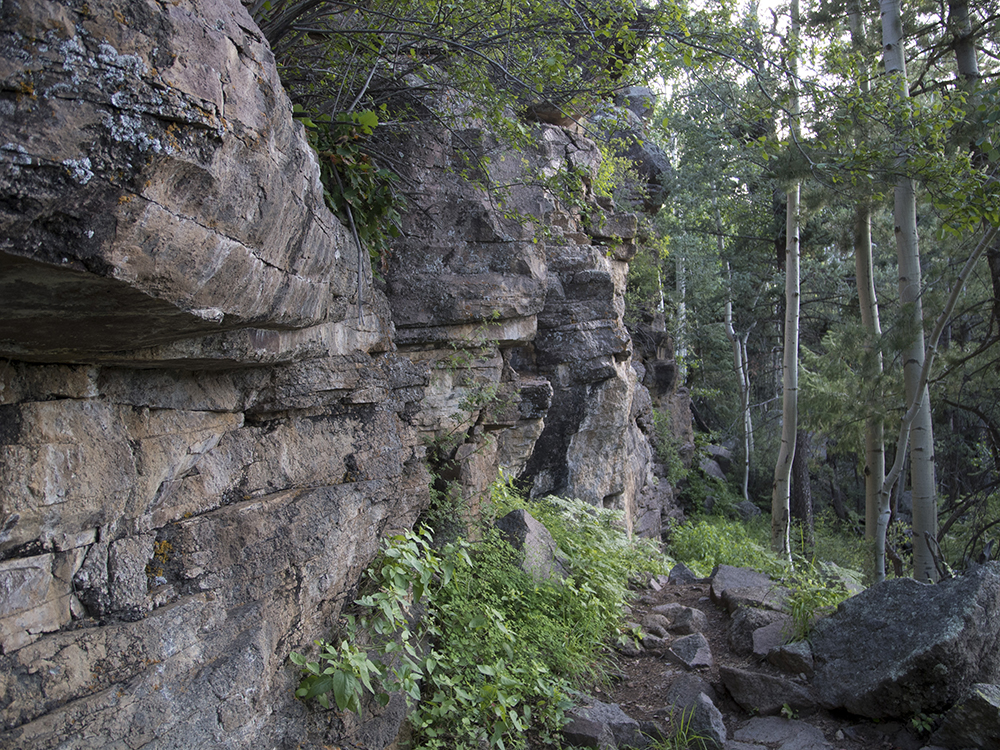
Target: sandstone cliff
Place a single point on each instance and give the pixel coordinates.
(204, 430)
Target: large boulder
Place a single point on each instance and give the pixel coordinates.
(903, 647)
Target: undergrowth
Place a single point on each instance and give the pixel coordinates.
(815, 586)
(487, 655)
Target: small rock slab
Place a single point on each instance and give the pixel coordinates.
(656, 624)
(973, 721)
(734, 587)
(763, 693)
(747, 621)
(683, 620)
(525, 534)
(654, 643)
(747, 510)
(793, 658)
(775, 732)
(691, 652)
(706, 722)
(684, 691)
(682, 574)
(770, 637)
(602, 725)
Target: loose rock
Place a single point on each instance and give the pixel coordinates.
(692, 651)
(765, 694)
(603, 725)
(974, 721)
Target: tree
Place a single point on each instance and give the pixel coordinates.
(780, 496)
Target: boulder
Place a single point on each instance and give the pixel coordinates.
(523, 532)
(793, 658)
(972, 722)
(683, 620)
(686, 688)
(691, 652)
(747, 510)
(705, 721)
(682, 574)
(602, 725)
(734, 587)
(765, 694)
(746, 621)
(656, 624)
(710, 467)
(722, 456)
(903, 647)
(770, 637)
(779, 733)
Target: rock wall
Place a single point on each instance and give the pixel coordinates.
(211, 413)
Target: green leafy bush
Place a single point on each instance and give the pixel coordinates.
(499, 652)
(706, 542)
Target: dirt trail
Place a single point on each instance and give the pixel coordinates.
(642, 681)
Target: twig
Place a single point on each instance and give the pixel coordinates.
(361, 250)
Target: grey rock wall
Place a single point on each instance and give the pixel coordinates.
(202, 437)
(201, 442)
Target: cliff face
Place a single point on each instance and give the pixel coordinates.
(203, 434)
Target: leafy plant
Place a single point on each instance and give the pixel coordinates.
(922, 723)
(788, 712)
(493, 655)
(706, 542)
(361, 193)
(681, 736)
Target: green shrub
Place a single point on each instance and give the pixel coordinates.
(499, 651)
(712, 540)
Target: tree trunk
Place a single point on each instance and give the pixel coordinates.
(908, 257)
(868, 302)
(680, 331)
(801, 501)
(790, 362)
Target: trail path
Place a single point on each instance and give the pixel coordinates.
(648, 680)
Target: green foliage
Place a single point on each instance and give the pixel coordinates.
(680, 735)
(923, 724)
(812, 592)
(668, 447)
(362, 194)
(703, 543)
(616, 176)
(815, 587)
(492, 655)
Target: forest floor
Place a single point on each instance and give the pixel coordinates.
(640, 683)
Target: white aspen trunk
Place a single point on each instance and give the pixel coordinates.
(874, 426)
(680, 332)
(868, 302)
(922, 479)
(780, 493)
(913, 407)
(743, 380)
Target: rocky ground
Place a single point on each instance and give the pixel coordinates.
(667, 673)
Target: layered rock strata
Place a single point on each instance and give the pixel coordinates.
(203, 438)
(211, 413)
